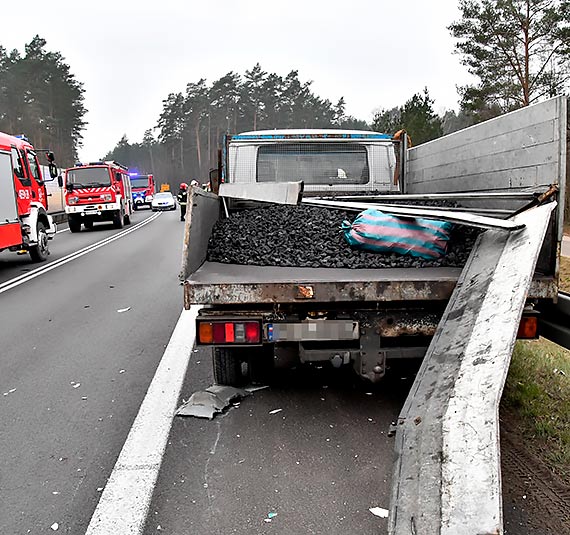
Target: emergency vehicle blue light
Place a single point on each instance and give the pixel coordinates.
(22, 137)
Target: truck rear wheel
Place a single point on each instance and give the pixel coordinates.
(40, 252)
(74, 224)
(227, 367)
(118, 219)
(88, 224)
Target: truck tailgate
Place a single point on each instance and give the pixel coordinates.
(227, 284)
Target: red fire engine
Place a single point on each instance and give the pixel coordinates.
(25, 226)
(143, 190)
(97, 191)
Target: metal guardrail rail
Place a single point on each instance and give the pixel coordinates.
(447, 477)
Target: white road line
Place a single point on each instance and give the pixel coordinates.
(26, 277)
(62, 230)
(124, 504)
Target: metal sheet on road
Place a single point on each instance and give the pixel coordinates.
(320, 463)
(80, 370)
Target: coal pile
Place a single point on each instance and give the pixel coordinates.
(310, 236)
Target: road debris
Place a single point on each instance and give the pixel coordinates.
(74, 384)
(121, 371)
(270, 517)
(11, 391)
(275, 411)
(54, 526)
(256, 388)
(392, 429)
(208, 403)
(379, 511)
(123, 310)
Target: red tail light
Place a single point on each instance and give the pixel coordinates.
(229, 332)
(252, 332)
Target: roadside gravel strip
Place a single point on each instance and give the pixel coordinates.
(126, 498)
(45, 268)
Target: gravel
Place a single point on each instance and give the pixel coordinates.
(309, 236)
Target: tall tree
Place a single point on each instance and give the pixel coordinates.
(40, 97)
(416, 116)
(518, 49)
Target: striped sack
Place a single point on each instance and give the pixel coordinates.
(382, 233)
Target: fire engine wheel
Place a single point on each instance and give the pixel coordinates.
(40, 252)
(74, 225)
(118, 219)
(88, 224)
(227, 367)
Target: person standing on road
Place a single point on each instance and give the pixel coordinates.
(182, 199)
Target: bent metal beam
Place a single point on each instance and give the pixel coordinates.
(447, 473)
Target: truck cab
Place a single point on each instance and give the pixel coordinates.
(25, 226)
(97, 191)
(143, 190)
(326, 161)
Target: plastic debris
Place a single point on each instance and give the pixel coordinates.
(213, 400)
(74, 384)
(392, 429)
(121, 371)
(54, 526)
(11, 391)
(275, 411)
(123, 310)
(379, 511)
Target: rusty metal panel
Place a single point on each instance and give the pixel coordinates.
(228, 284)
(447, 473)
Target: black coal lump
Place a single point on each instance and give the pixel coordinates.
(310, 236)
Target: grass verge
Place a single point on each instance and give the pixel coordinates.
(538, 389)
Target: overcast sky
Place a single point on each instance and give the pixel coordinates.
(131, 54)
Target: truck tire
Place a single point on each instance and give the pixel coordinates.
(40, 252)
(227, 367)
(88, 224)
(118, 219)
(74, 224)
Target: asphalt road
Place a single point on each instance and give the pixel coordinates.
(318, 464)
(74, 371)
(73, 374)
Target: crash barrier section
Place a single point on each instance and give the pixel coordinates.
(447, 473)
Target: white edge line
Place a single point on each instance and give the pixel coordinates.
(21, 279)
(124, 504)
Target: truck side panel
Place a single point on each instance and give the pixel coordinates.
(203, 212)
(521, 149)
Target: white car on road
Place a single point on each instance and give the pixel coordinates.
(163, 201)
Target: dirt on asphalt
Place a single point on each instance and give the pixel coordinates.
(535, 501)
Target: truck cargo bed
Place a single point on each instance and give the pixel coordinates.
(216, 284)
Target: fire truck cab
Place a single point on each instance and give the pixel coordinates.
(143, 190)
(98, 191)
(25, 226)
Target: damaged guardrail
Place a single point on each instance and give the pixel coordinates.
(447, 475)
